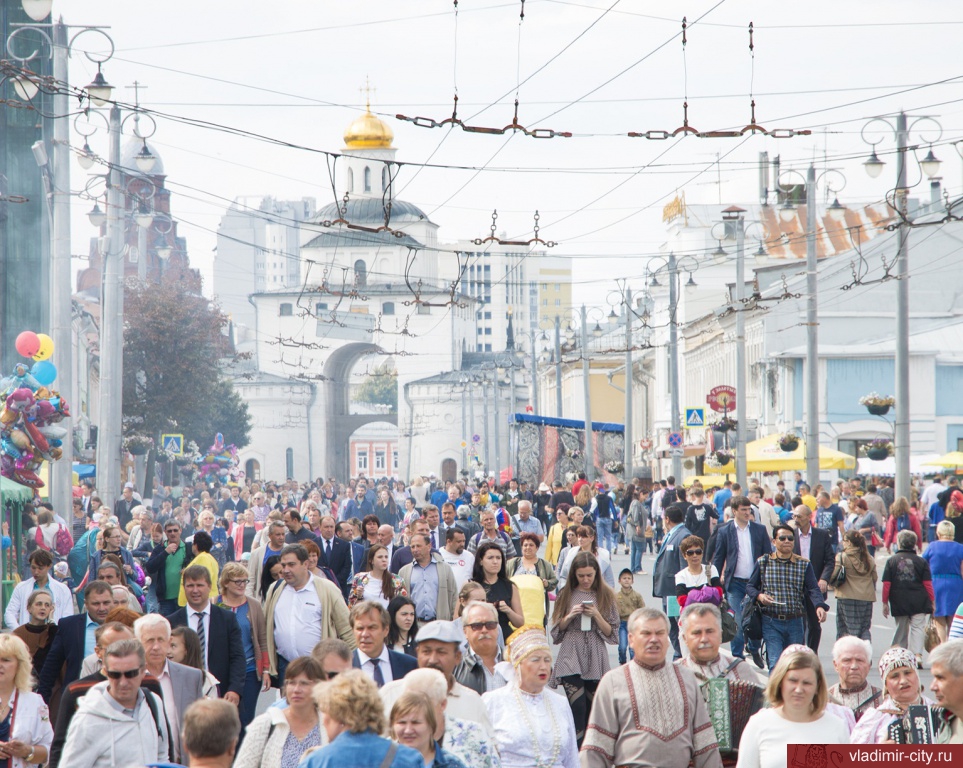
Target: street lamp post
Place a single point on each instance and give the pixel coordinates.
(627, 434)
(930, 166)
(587, 394)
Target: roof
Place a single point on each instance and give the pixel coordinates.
(370, 210)
(340, 236)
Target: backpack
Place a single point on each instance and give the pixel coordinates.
(64, 541)
(903, 523)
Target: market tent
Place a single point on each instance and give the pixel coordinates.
(951, 460)
(765, 455)
(10, 490)
(924, 464)
(708, 481)
(85, 471)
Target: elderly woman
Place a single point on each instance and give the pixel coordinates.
(535, 578)
(413, 723)
(797, 696)
(945, 557)
(353, 717)
(280, 737)
(533, 724)
(908, 593)
(852, 659)
(856, 595)
(897, 668)
(25, 732)
(140, 530)
(220, 550)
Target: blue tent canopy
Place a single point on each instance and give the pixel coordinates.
(85, 471)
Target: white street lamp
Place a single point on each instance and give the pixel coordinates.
(96, 216)
(86, 157)
(99, 90)
(145, 160)
(143, 217)
(874, 166)
(38, 10)
(930, 164)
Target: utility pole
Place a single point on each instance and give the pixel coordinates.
(488, 445)
(61, 314)
(902, 393)
(534, 377)
(558, 367)
(464, 427)
(112, 329)
(589, 447)
(627, 461)
(812, 346)
(734, 214)
(470, 438)
(496, 392)
(674, 359)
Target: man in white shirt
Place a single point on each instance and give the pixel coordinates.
(370, 623)
(457, 557)
(934, 489)
(41, 561)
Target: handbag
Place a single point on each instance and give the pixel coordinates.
(751, 619)
(839, 575)
(876, 541)
(729, 627)
(931, 638)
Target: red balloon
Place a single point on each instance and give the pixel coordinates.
(28, 344)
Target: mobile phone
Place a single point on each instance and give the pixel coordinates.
(588, 602)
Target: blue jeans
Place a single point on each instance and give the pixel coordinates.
(779, 633)
(604, 528)
(635, 559)
(673, 630)
(248, 705)
(167, 607)
(735, 595)
(625, 651)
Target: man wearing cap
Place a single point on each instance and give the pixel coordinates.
(439, 647)
(542, 500)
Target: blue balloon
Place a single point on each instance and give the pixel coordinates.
(44, 372)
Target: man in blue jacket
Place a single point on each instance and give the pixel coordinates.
(739, 543)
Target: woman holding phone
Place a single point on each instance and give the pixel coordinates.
(585, 619)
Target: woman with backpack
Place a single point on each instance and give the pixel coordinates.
(900, 519)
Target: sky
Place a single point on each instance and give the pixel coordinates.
(293, 73)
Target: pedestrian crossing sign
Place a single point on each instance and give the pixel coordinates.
(695, 418)
(173, 444)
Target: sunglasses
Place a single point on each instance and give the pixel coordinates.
(693, 552)
(130, 674)
(241, 582)
(478, 626)
(784, 538)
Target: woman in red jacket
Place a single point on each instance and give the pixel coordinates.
(900, 519)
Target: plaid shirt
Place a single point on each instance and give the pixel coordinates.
(787, 581)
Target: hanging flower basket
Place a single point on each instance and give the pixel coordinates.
(138, 445)
(725, 424)
(788, 442)
(878, 449)
(183, 461)
(723, 457)
(614, 467)
(877, 404)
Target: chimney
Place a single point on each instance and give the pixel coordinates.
(764, 178)
(936, 191)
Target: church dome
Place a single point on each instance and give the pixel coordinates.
(368, 132)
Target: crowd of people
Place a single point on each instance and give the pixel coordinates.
(455, 624)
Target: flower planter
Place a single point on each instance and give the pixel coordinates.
(722, 457)
(183, 461)
(162, 459)
(877, 454)
(138, 450)
(724, 427)
(878, 410)
(789, 445)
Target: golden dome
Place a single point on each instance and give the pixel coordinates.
(368, 132)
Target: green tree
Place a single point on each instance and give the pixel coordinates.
(175, 345)
(379, 388)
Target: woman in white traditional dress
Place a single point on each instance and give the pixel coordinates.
(897, 668)
(533, 725)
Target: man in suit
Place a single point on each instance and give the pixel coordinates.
(370, 623)
(386, 538)
(668, 563)
(180, 685)
(255, 566)
(75, 639)
(739, 543)
(124, 505)
(816, 545)
(335, 554)
(222, 650)
(402, 555)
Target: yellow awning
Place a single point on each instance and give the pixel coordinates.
(708, 481)
(951, 459)
(765, 455)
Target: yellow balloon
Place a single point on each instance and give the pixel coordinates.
(46, 347)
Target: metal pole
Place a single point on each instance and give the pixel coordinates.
(61, 314)
(558, 367)
(534, 378)
(496, 392)
(112, 330)
(812, 345)
(471, 420)
(488, 443)
(587, 390)
(674, 359)
(627, 461)
(902, 320)
(464, 428)
(742, 474)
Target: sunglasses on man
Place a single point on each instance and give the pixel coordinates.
(478, 626)
(130, 674)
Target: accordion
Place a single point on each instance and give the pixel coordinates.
(920, 725)
(731, 703)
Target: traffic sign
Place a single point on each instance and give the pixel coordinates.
(677, 452)
(675, 440)
(645, 444)
(173, 444)
(695, 418)
(722, 398)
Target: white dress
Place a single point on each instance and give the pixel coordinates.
(521, 721)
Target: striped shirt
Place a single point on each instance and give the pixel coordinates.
(956, 628)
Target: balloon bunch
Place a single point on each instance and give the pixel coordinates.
(220, 462)
(31, 413)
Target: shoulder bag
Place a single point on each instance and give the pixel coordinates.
(839, 575)
(752, 612)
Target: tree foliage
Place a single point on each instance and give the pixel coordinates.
(380, 388)
(174, 341)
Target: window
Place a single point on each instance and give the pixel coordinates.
(394, 460)
(488, 315)
(558, 287)
(488, 347)
(424, 309)
(361, 460)
(544, 286)
(320, 307)
(367, 179)
(388, 308)
(488, 331)
(289, 462)
(350, 180)
(360, 272)
(558, 302)
(384, 178)
(286, 310)
(544, 302)
(380, 458)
